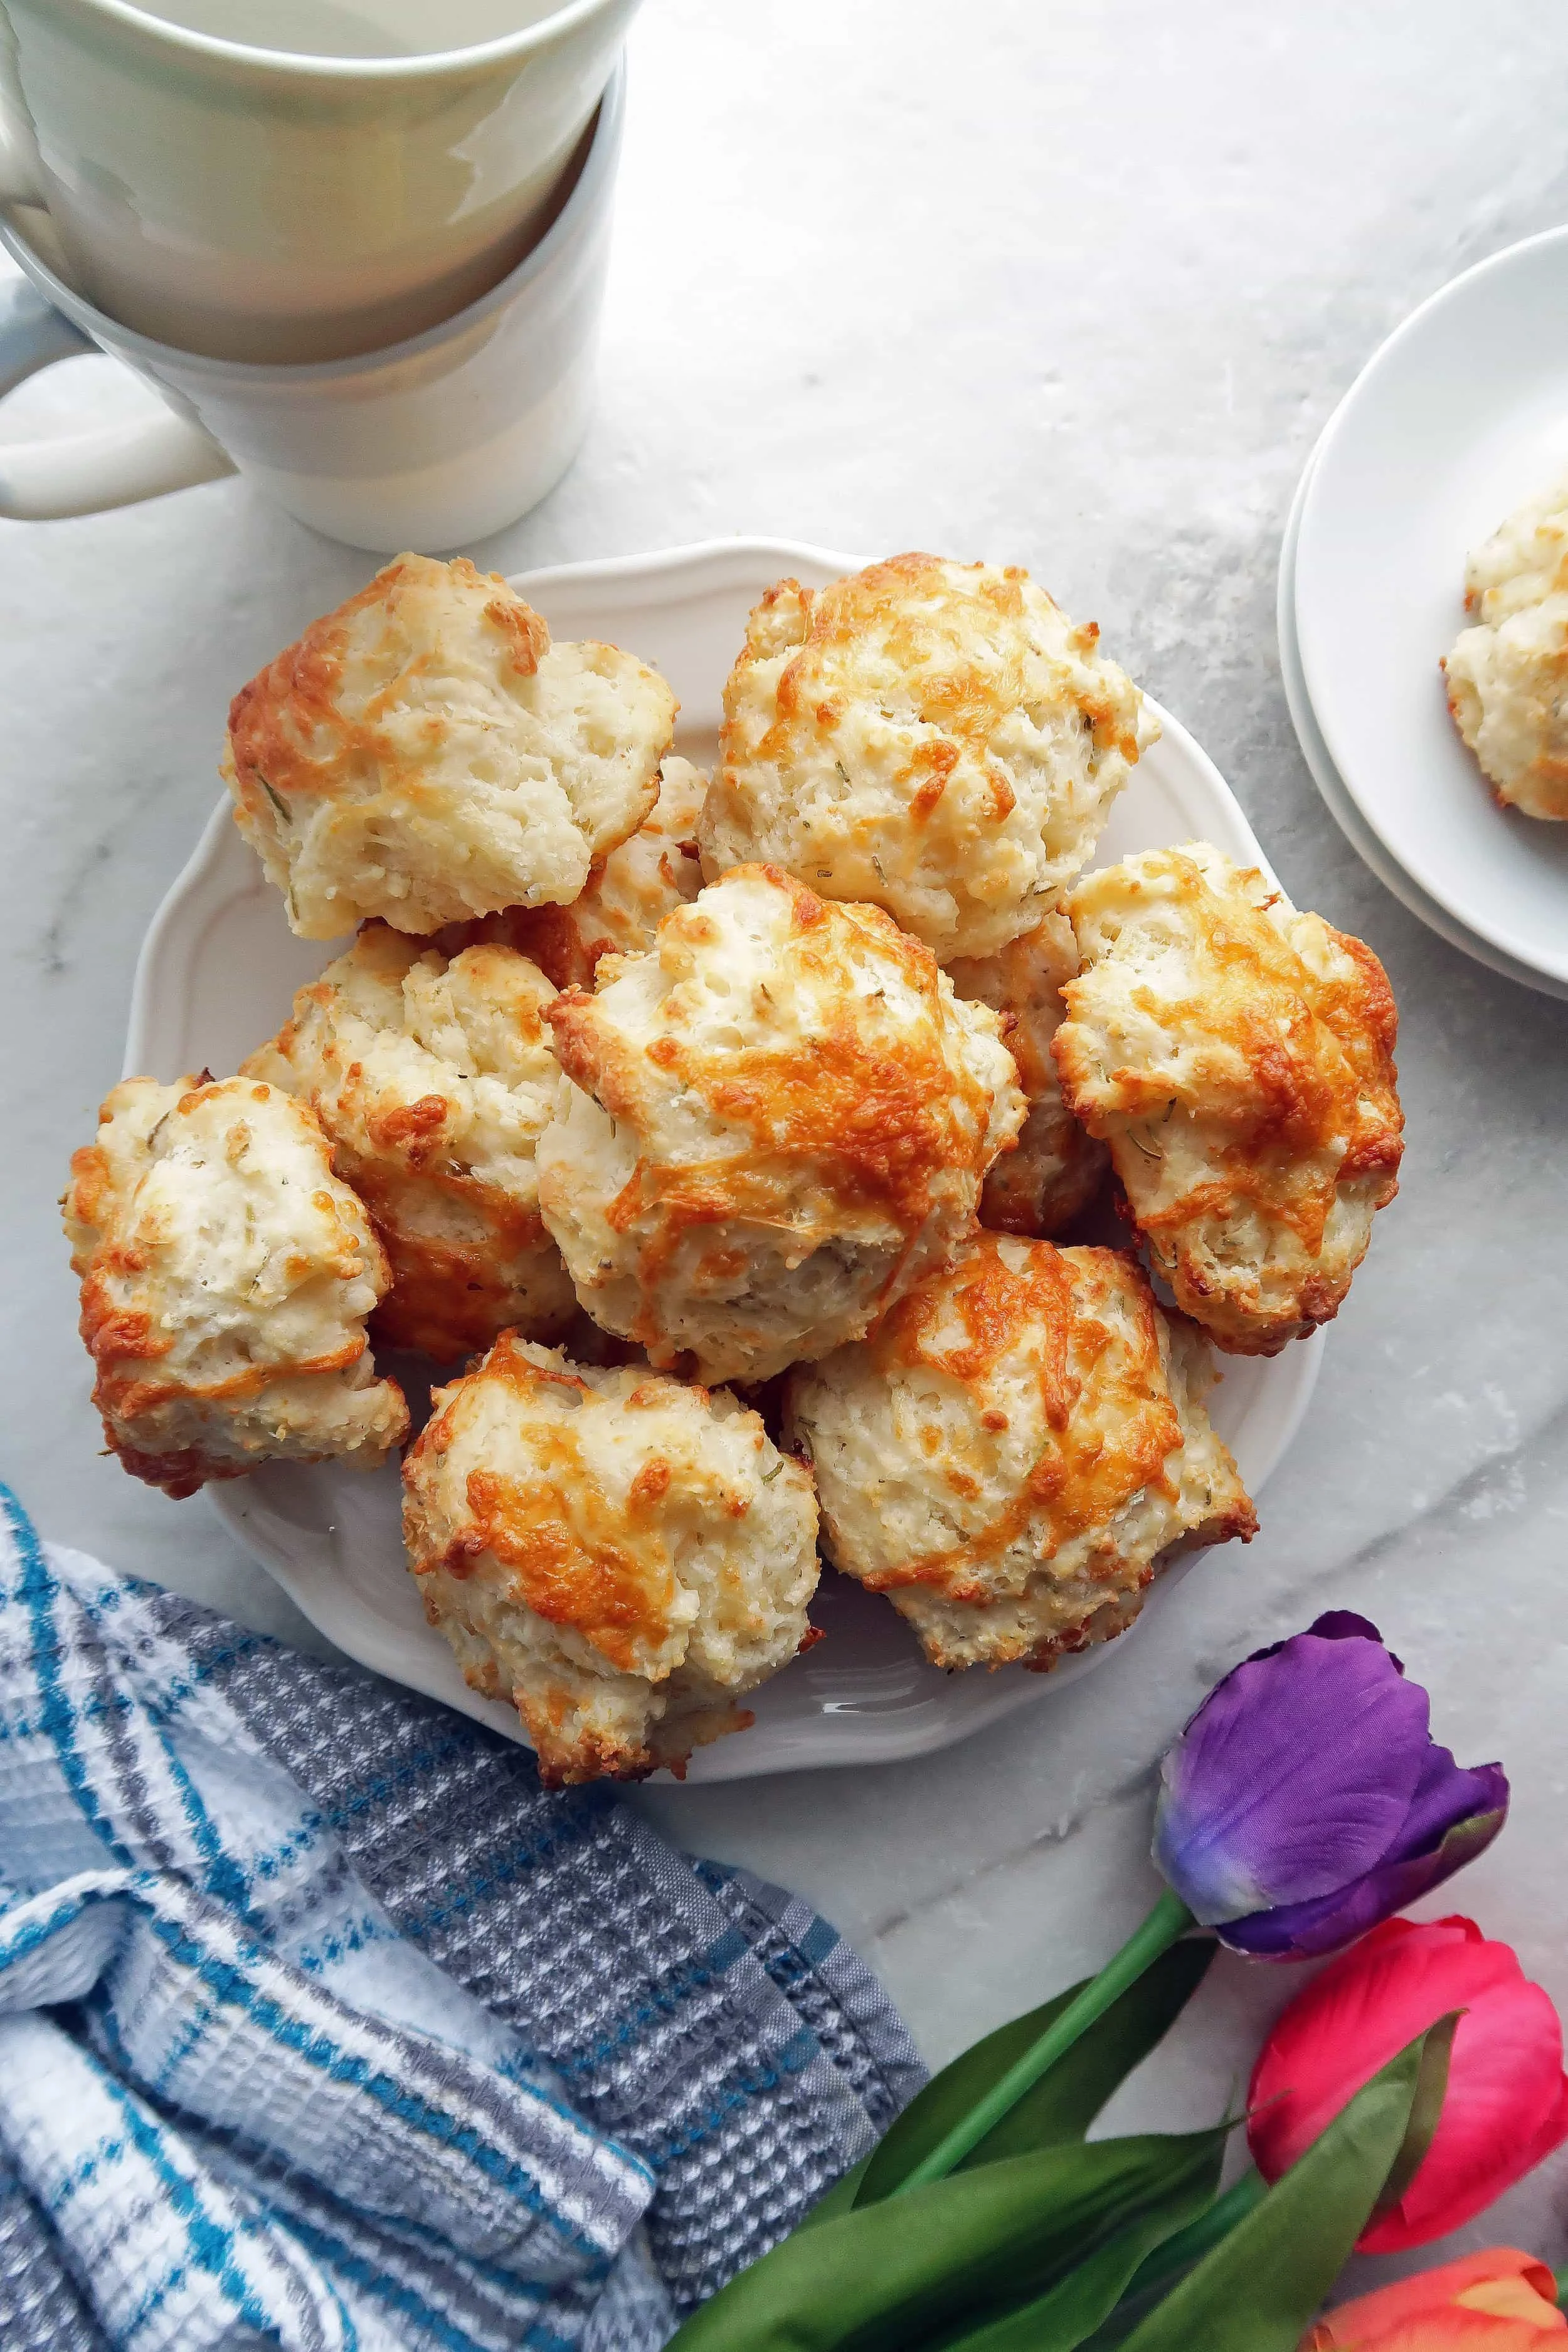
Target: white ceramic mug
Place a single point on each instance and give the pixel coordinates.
(431, 444)
(217, 189)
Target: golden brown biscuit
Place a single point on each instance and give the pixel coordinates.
(432, 1077)
(225, 1279)
(1508, 673)
(775, 1122)
(1056, 1167)
(628, 893)
(932, 738)
(425, 754)
(1011, 1457)
(1237, 1056)
(620, 1555)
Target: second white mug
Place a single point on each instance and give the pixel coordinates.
(293, 179)
(430, 444)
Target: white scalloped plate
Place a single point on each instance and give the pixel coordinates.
(217, 973)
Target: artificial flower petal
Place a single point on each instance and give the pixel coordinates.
(1294, 1778)
(1446, 1793)
(1306, 1799)
(1507, 2299)
(1305, 1931)
(1507, 2102)
(1498, 2301)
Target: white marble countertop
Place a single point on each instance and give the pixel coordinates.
(1070, 287)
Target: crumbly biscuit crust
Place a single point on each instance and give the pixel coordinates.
(226, 1274)
(1012, 1455)
(933, 738)
(1237, 1056)
(1508, 673)
(621, 1554)
(628, 893)
(425, 754)
(432, 1077)
(1057, 1166)
(774, 1123)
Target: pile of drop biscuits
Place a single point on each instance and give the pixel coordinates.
(724, 1140)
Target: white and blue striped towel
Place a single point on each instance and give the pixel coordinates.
(322, 2027)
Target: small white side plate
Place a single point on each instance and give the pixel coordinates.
(1337, 800)
(1461, 415)
(216, 976)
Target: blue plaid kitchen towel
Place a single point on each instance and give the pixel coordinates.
(322, 2026)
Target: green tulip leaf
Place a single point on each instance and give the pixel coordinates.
(1186, 2246)
(1258, 2290)
(1064, 2103)
(840, 2198)
(1431, 2089)
(904, 2273)
(1072, 2310)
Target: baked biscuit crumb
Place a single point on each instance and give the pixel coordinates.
(432, 1077)
(1508, 673)
(1013, 1455)
(628, 893)
(425, 754)
(933, 738)
(1057, 1166)
(773, 1124)
(226, 1275)
(1237, 1056)
(622, 1556)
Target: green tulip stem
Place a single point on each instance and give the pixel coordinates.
(1179, 2252)
(1167, 1923)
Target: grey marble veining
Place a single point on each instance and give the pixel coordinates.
(1073, 288)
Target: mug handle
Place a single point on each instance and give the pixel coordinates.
(85, 473)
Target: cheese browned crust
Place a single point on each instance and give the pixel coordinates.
(774, 1123)
(628, 894)
(620, 1555)
(933, 738)
(1012, 1456)
(1508, 673)
(226, 1274)
(1237, 1056)
(1057, 1166)
(432, 1077)
(425, 754)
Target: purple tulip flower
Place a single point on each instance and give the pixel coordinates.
(1306, 1799)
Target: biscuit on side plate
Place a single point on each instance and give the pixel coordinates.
(771, 1125)
(1014, 1453)
(1507, 675)
(226, 1275)
(621, 1555)
(933, 738)
(1237, 1056)
(432, 1077)
(1057, 1166)
(628, 893)
(425, 754)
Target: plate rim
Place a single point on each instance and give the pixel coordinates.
(330, 1605)
(1350, 406)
